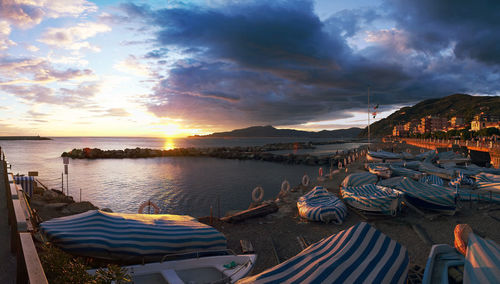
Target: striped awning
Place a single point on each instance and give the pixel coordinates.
(482, 261)
(116, 235)
(372, 198)
(321, 205)
(360, 254)
(358, 179)
(430, 194)
(26, 183)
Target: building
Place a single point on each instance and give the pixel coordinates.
(411, 126)
(399, 131)
(432, 124)
(483, 120)
(457, 121)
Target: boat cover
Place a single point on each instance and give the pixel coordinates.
(486, 177)
(26, 183)
(116, 235)
(373, 198)
(478, 195)
(461, 179)
(433, 194)
(432, 179)
(451, 156)
(384, 155)
(360, 254)
(482, 261)
(488, 186)
(358, 179)
(433, 170)
(390, 182)
(400, 171)
(321, 205)
(476, 169)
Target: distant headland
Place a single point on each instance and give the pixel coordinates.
(270, 131)
(23, 138)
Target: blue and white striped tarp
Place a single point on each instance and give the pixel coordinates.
(432, 179)
(488, 186)
(432, 197)
(478, 195)
(486, 177)
(358, 179)
(117, 236)
(26, 183)
(482, 261)
(461, 179)
(360, 254)
(399, 171)
(321, 205)
(373, 198)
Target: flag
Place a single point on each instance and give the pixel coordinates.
(375, 107)
(374, 114)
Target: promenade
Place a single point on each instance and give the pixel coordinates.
(7, 259)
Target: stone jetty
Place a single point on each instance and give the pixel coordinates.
(263, 153)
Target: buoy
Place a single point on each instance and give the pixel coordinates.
(285, 187)
(305, 180)
(320, 172)
(149, 204)
(258, 194)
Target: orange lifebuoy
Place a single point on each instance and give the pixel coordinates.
(320, 171)
(149, 204)
(258, 194)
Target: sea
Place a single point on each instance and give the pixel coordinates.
(178, 185)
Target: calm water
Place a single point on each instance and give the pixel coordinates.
(179, 185)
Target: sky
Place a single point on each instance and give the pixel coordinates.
(178, 68)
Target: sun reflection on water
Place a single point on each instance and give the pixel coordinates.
(169, 144)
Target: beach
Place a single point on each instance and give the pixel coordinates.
(274, 237)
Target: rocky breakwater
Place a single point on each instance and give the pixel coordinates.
(262, 153)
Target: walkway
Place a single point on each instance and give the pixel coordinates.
(7, 260)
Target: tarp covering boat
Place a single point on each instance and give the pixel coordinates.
(373, 198)
(478, 195)
(488, 186)
(116, 235)
(321, 205)
(482, 262)
(381, 171)
(486, 177)
(358, 179)
(450, 156)
(400, 171)
(390, 182)
(433, 170)
(461, 179)
(360, 254)
(432, 179)
(428, 196)
(382, 156)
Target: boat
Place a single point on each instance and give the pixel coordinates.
(321, 205)
(209, 269)
(432, 179)
(430, 169)
(120, 236)
(431, 197)
(359, 254)
(443, 259)
(381, 171)
(482, 261)
(488, 182)
(358, 179)
(452, 157)
(487, 177)
(461, 179)
(405, 172)
(382, 157)
(373, 198)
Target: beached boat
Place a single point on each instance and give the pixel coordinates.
(209, 269)
(321, 205)
(381, 171)
(359, 254)
(404, 172)
(382, 157)
(373, 198)
(437, 171)
(431, 197)
(482, 262)
(487, 177)
(432, 179)
(131, 236)
(358, 179)
(443, 259)
(452, 157)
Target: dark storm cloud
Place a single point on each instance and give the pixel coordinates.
(278, 63)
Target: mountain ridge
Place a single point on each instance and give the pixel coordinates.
(270, 131)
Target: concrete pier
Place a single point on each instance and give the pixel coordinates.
(7, 259)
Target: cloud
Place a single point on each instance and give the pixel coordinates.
(132, 65)
(119, 112)
(5, 30)
(15, 70)
(254, 62)
(74, 37)
(26, 14)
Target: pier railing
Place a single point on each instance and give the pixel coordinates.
(29, 267)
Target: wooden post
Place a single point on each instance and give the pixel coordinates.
(62, 183)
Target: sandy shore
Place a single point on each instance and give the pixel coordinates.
(281, 229)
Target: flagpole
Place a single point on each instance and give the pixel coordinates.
(368, 117)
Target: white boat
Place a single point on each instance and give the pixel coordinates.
(441, 259)
(208, 269)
